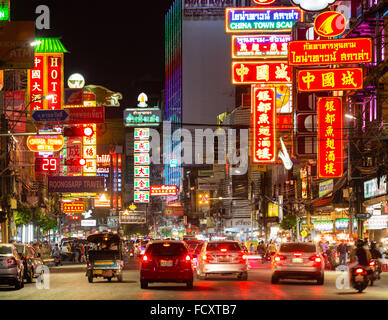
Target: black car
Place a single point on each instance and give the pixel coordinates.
(31, 260)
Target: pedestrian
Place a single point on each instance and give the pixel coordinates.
(343, 250)
(73, 252)
(56, 254)
(82, 253)
(251, 248)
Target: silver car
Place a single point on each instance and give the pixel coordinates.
(11, 266)
(298, 260)
(224, 258)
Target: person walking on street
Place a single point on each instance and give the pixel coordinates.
(343, 250)
(56, 254)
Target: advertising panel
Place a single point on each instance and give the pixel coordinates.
(330, 141)
(76, 184)
(142, 117)
(87, 114)
(73, 207)
(261, 72)
(338, 51)
(264, 125)
(164, 190)
(263, 20)
(326, 188)
(55, 81)
(45, 143)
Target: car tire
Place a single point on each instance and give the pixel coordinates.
(90, 278)
(189, 284)
(321, 280)
(120, 277)
(18, 284)
(274, 279)
(143, 284)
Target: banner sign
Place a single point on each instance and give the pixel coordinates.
(76, 184)
(164, 190)
(330, 79)
(142, 133)
(263, 46)
(174, 211)
(261, 72)
(142, 117)
(55, 81)
(142, 146)
(255, 19)
(73, 207)
(142, 183)
(134, 217)
(264, 125)
(142, 159)
(330, 143)
(326, 187)
(316, 52)
(142, 197)
(142, 172)
(45, 143)
(85, 115)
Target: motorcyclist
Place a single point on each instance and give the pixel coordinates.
(359, 256)
(261, 249)
(376, 255)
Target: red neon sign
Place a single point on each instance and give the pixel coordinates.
(261, 72)
(264, 2)
(55, 81)
(260, 46)
(164, 190)
(330, 79)
(264, 125)
(330, 24)
(36, 83)
(330, 143)
(74, 207)
(315, 52)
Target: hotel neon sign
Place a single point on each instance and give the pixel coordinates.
(255, 19)
(353, 50)
(260, 46)
(330, 79)
(261, 72)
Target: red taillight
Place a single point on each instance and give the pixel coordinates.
(204, 257)
(89, 264)
(279, 258)
(372, 263)
(316, 259)
(297, 254)
(188, 258)
(12, 262)
(145, 258)
(359, 270)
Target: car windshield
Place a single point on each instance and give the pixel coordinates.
(217, 246)
(5, 250)
(297, 247)
(166, 249)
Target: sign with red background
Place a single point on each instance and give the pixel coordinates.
(36, 83)
(74, 207)
(330, 137)
(330, 79)
(164, 190)
(264, 125)
(55, 81)
(261, 72)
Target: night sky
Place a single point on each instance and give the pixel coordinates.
(114, 43)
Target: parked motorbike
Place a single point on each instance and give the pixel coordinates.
(359, 279)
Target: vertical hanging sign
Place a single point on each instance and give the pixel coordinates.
(55, 81)
(330, 146)
(36, 83)
(264, 125)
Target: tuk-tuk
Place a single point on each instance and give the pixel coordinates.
(104, 258)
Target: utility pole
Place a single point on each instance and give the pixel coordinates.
(4, 163)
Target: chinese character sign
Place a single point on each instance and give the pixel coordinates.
(142, 133)
(330, 143)
(264, 125)
(46, 79)
(261, 72)
(330, 79)
(36, 84)
(352, 50)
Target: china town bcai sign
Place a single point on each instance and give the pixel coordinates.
(262, 46)
(74, 207)
(330, 79)
(164, 190)
(261, 72)
(142, 117)
(353, 50)
(255, 19)
(45, 143)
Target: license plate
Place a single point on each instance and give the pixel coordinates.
(166, 263)
(297, 260)
(223, 259)
(97, 271)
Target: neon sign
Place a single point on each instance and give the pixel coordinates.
(261, 72)
(45, 143)
(330, 24)
(264, 125)
(74, 207)
(264, 2)
(164, 190)
(263, 46)
(142, 197)
(248, 20)
(330, 144)
(353, 50)
(48, 165)
(330, 79)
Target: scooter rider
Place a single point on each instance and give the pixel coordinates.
(376, 255)
(359, 255)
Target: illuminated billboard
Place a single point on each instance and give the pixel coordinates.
(45, 143)
(330, 79)
(315, 52)
(261, 72)
(260, 46)
(164, 190)
(330, 24)
(264, 125)
(330, 137)
(255, 19)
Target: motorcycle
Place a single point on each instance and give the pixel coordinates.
(374, 272)
(359, 279)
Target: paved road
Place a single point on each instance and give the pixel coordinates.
(70, 283)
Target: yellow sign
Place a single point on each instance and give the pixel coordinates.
(45, 143)
(303, 233)
(273, 210)
(132, 207)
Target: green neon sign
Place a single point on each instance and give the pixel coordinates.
(4, 11)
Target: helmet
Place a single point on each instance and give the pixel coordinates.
(359, 243)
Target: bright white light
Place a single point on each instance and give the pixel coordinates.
(76, 81)
(349, 116)
(48, 97)
(35, 43)
(313, 5)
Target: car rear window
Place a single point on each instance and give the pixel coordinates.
(230, 246)
(168, 249)
(5, 250)
(195, 247)
(297, 247)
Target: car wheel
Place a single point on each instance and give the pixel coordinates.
(120, 277)
(143, 284)
(18, 284)
(274, 279)
(189, 284)
(90, 278)
(321, 280)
